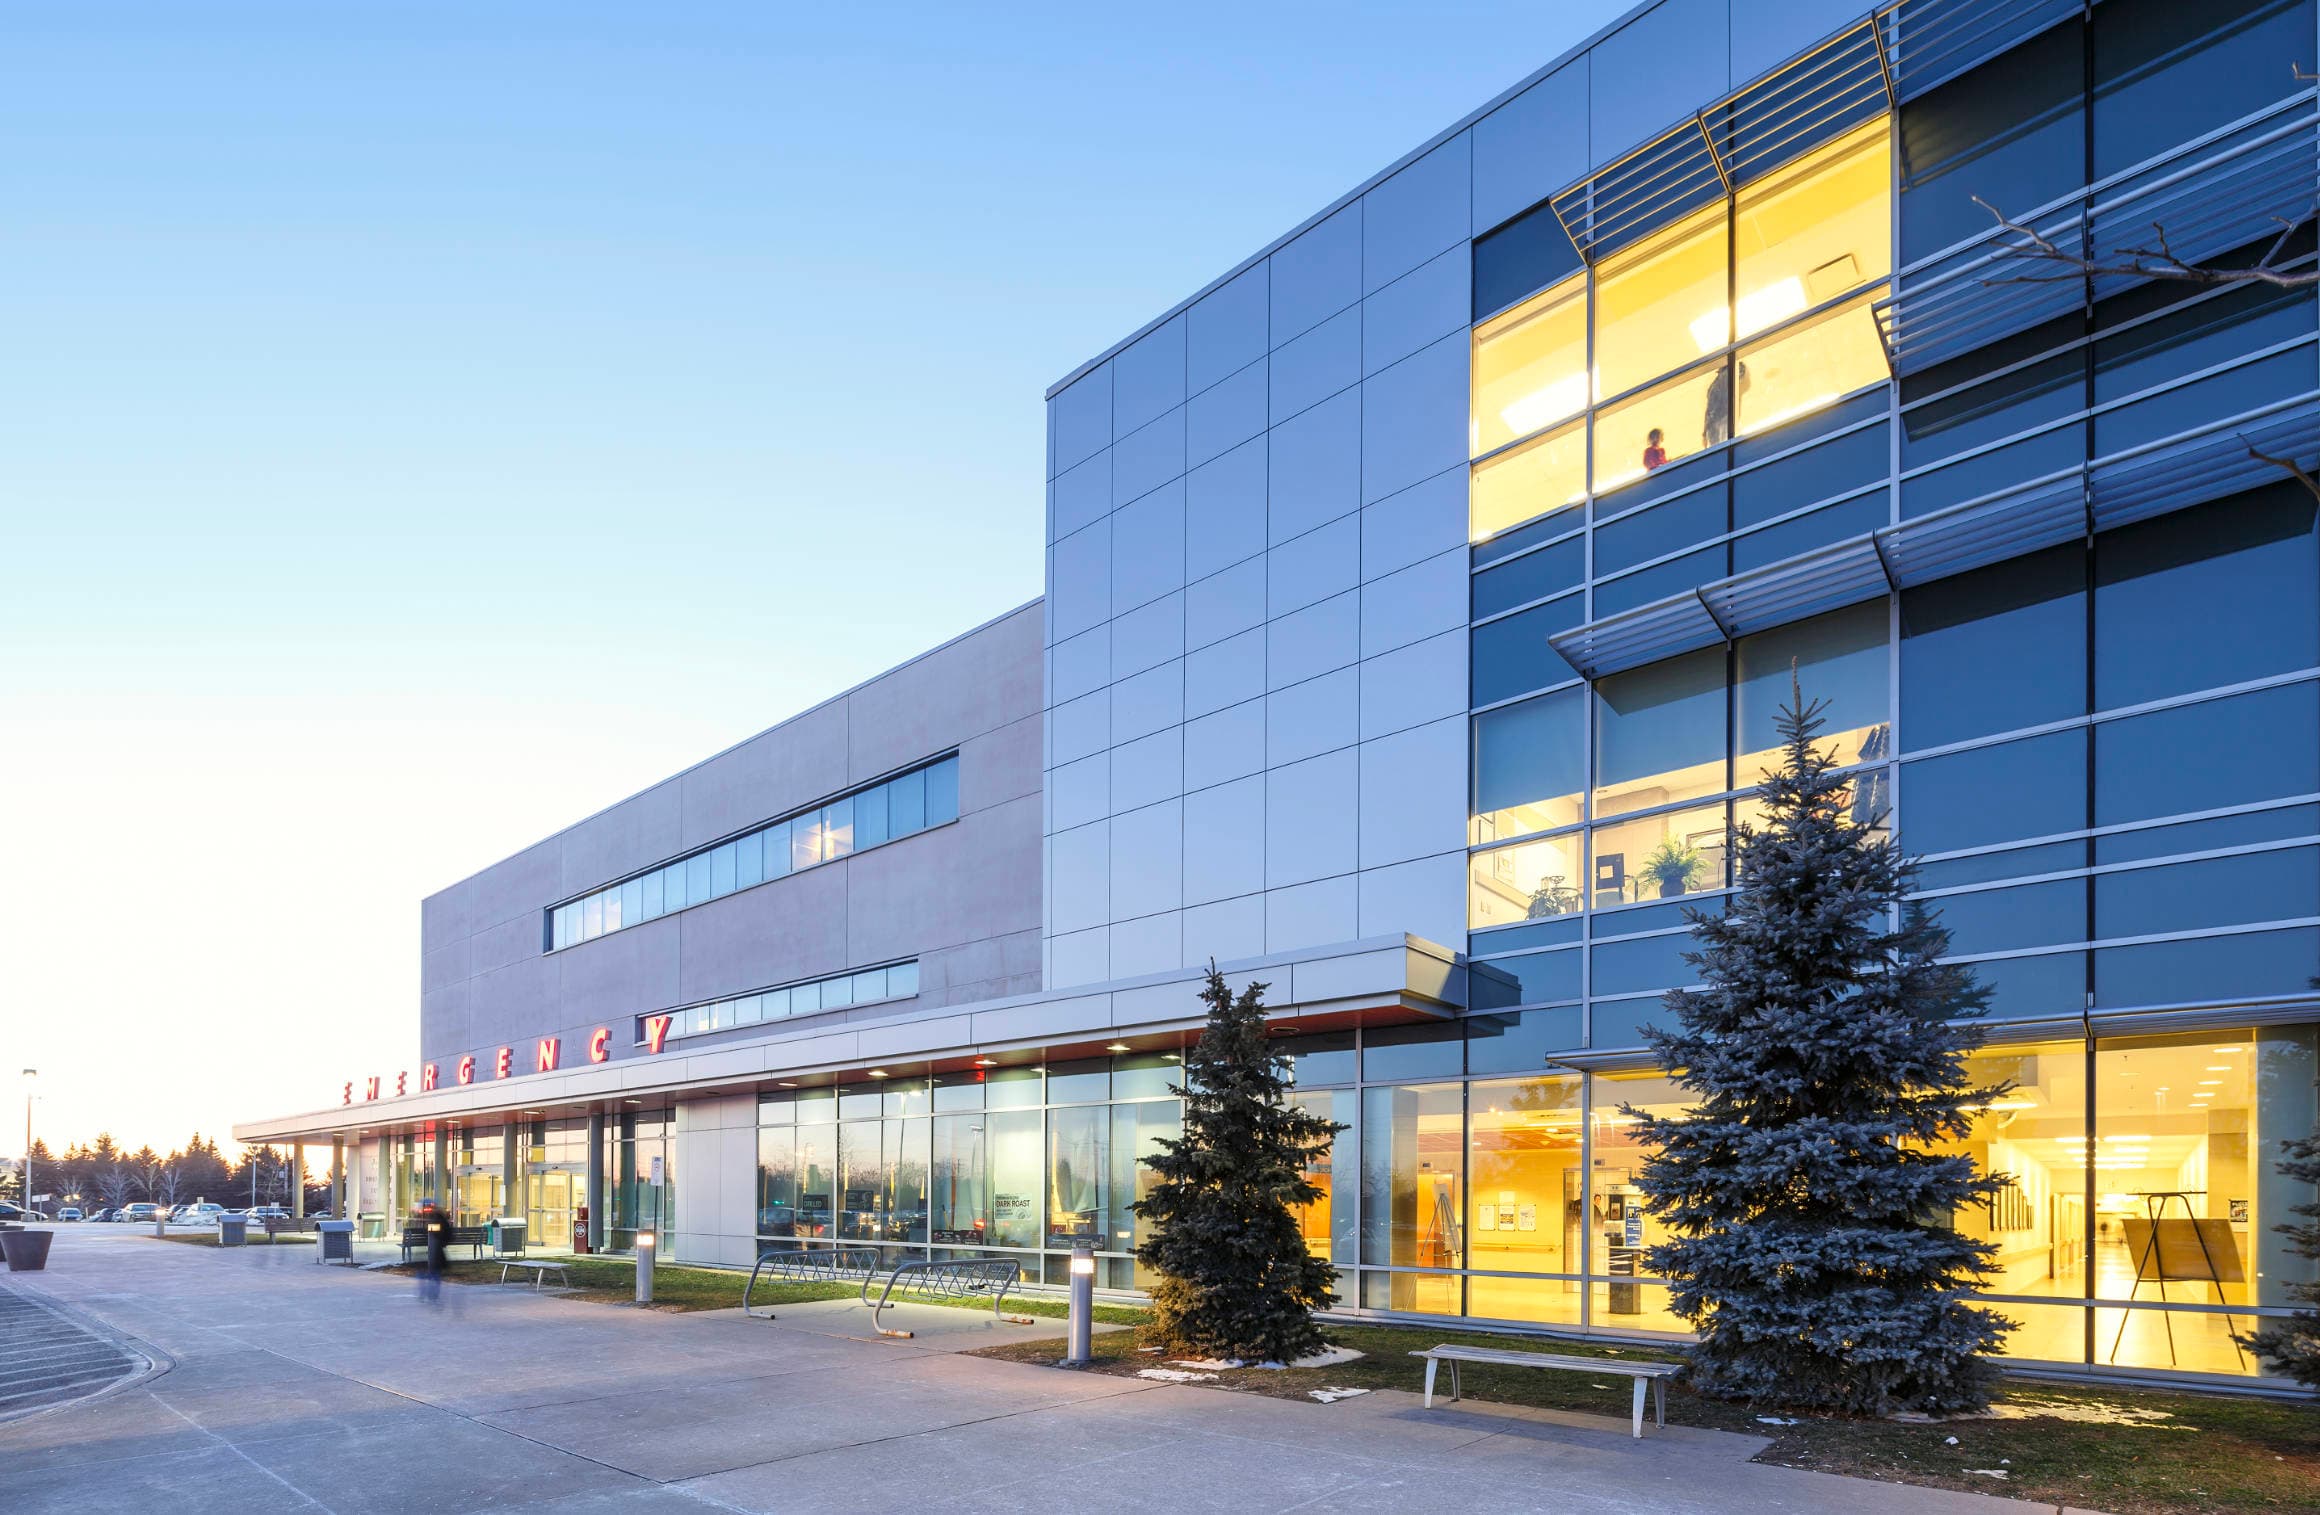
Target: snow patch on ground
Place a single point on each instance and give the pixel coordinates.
(1328, 1357)
(1175, 1375)
(2090, 1412)
(1985, 1472)
(1333, 1395)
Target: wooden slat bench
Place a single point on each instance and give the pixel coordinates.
(1655, 1374)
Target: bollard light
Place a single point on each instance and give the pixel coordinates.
(1083, 1306)
(644, 1267)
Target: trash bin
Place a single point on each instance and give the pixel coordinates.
(336, 1241)
(1626, 1298)
(507, 1236)
(26, 1250)
(374, 1224)
(233, 1230)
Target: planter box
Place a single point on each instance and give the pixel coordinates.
(26, 1251)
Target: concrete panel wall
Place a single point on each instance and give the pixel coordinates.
(963, 898)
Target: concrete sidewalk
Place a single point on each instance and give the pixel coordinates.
(287, 1385)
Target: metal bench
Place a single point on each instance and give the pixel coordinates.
(1655, 1374)
(945, 1283)
(470, 1237)
(277, 1225)
(816, 1265)
(539, 1268)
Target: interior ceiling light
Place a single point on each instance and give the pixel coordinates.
(2219, 1067)
(1118, 1047)
(787, 1085)
(986, 1062)
(880, 1073)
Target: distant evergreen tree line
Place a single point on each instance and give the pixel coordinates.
(100, 1175)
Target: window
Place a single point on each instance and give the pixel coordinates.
(1659, 857)
(1525, 1182)
(1512, 656)
(1547, 474)
(2208, 756)
(2028, 615)
(1526, 882)
(1659, 733)
(896, 981)
(1806, 367)
(1530, 766)
(1622, 1226)
(1814, 231)
(1662, 305)
(1530, 367)
(1838, 659)
(2013, 791)
(880, 813)
(1412, 1139)
(1644, 434)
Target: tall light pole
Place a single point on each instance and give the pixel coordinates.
(29, 1075)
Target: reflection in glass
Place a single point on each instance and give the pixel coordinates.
(1529, 766)
(1542, 475)
(1411, 1142)
(1526, 882)
(1530, 366)
(1527, 1212)
(1808, 366)
(1811, 232)
(1839, 659)
(1662, 426)
(1660, 857)
(1659, 733)
(1327, 1223)
(1661, 305)
(1619, 1224)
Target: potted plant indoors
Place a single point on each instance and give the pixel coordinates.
(1675, 866)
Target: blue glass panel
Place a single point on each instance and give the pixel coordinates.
(2209, 756)
(1832, 468)
(1627, 922)
(1520, 1043)
(2000, 920)
(2218, 594)
(1520, 258)
(2024, 988)
(1994, 794)
(1533, 751)
(697, 886)
(1507, 543)
(902, 979)
(673, 888)
(1974, 411)
(1641, 489)
(1851, 519)
(1530, 577)
(1390, 1053)
(1838, 660)
(2190, 338)
(2166, 72)
(2026, 615)
(1820, 423)
(1621, 1023)
(1989, 473)
(2223, 891)
(1649, 962)
(1512, 656)
(942, 792)
(1530, 934)
(721, 870)
(653, 902)
(2207, 970)
(777, 859)
(1327, 1058)
(632, 902)
(2203, 836)
(906, 803)
(1986, 867)
(1677, 576)
(1531, 979)
(1649, 533)
(749, 860)
(2012, 131)
(2213, 398)
(870, 818)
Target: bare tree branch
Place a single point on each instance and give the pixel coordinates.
(2157, 260)
(2290, 466)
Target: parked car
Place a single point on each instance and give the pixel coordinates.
(258, 1215)
(202, 1213)
(18, 1215)
(140, 1211)
(104, 1214)
(69, 1212)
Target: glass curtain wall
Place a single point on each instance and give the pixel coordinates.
(2137, 1231)
(553, 1170)
(639, 1185)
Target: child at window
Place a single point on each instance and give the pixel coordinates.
(1654, 454)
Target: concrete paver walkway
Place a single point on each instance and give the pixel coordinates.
(290, 1386)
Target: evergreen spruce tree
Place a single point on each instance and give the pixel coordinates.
(1811, 1243)
(1236, 1278)
(2292, 1343)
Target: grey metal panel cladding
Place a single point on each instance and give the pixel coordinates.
(1224, 841)
(1313, 567)
(1414, 684)
(1144, 460)
(1316, 640)
(1314, 468)
(1225, 673)
(1148, 860)
(1423, 210)
(1080, 496)
(1224, 510)
(1227, 329)
(1148, 377)
(1316, 365)
(1413, 793)
(1306, 808)
(1654, 71)
(1226, 414)
(1430, 301)
(1148, 770)
(1531, 146)
(1148, 548)
(1079, 420)
(1317, 275)
(1079, 580)
(1313, 717)
(1415, 524)
(1414, 418)
(1148, 636)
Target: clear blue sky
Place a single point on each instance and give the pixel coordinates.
(422, 424)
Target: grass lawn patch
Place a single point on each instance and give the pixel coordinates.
(210, 1239)
(2127, 1451)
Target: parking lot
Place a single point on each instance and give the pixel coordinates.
(278, 1381)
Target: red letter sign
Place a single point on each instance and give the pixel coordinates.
(500, 1065)
(467, 1070)
(600, 1045)
(656, 1031)
(427, 1079)
(371, 1090)
(348, 1097)
(402, 1083)
(549, 1045)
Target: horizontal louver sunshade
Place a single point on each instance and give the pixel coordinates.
(1931, 42)
(2175, 473)
(1745, 135)
(2239, 185)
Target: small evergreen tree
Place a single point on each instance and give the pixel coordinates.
(1236, 1278)
(2292, 1344)
(1811, 1243)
